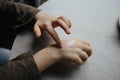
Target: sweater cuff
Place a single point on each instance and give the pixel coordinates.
(31, 67)
(23, 69)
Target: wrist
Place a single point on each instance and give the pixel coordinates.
(55, 53)
(46, 57)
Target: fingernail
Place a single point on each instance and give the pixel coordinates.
(69, 32)
(60, 46)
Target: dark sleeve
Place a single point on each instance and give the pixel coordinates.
(16, 15)
(20, 68)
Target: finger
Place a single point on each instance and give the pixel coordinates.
(85, 42)
(87, 49)
(78, 60)
(54, 35)
(84, 47)
(70, 24)
(74, 58)
(37, 31)
(82, 54)
(67, 21)
(62, 24)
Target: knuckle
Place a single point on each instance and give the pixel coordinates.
(58, 20)
(87, 42)
(77, 51)
(62, 16)
(44, 26)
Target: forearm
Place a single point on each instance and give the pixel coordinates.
(21, 68)
(46, 57)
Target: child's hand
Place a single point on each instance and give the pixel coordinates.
(47, 22)
(75, 50)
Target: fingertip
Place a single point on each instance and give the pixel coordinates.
(60, 44)
(90, 53)
(68, 31)
(55, 36)
(38, 35)
(70, 24)
(37, 31)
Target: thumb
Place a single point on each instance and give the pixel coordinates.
(37, 31)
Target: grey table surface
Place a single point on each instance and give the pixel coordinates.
(92, 20)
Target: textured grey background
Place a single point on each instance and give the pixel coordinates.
(92, 20)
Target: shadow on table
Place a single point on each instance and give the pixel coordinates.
(61, 69)
(44, 41)
(118, 27)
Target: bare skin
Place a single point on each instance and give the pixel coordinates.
(73, 50)
(47, 22)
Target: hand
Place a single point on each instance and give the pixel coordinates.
(74, 50)
(47, 22)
